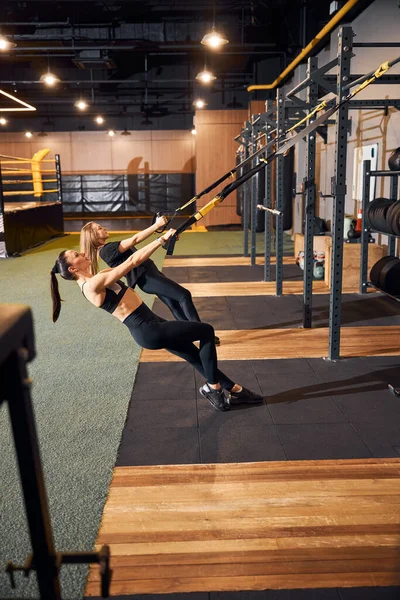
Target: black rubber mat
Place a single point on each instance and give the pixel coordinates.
(313, 409)
(229, 273)
(272, 312)
(380, 593)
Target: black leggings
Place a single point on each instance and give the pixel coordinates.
(177, 298)
(152, 332)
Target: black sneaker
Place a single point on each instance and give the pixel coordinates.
(395, 391)
(217, 340)
(245, 397)
(215, 397)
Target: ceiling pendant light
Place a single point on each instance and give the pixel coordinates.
(99, 120)
(81, 104)
(125, 132)
(205, 76)
(5, 44)
(199, 103)
(49, 79)
(214, 40)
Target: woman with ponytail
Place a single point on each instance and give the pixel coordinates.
(106, 290)
(147, 277)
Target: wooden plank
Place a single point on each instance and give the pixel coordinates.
(226, 527)
(216, 155)
(222, 583)
(220, 261)
(255, 344)
(255, 288)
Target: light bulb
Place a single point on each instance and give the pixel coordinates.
(28, 134)
(214, 40)
(205, 76)
(5, 44)
(199, 103)
(111, 132)
(193, 132)
(49, 79)
(99, 120)
(81, 104)
(3, 121)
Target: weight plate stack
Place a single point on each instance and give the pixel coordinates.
(389, 276)
(393, 218)
(376, 214)
(376, 270)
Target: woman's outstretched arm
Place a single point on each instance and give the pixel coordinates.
(142, 235)
(108, 276)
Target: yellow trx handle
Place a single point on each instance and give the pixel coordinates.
(381, 70)
(188, 203)
(312, 113)
(207, 207)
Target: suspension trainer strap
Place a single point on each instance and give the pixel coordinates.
(370, 78)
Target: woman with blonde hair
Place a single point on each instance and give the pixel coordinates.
(106, 290)
(146, 276)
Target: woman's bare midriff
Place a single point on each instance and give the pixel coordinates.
(130, 302)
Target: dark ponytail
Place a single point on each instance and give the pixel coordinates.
(61, 266)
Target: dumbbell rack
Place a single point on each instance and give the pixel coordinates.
(394, 184)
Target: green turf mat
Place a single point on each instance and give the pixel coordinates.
(224, 242)
(82, 382)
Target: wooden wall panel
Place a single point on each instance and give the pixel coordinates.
(95, 152)
(168, 154)
(256, 106)
(215, 155)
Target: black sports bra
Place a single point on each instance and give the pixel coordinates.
(112, 298)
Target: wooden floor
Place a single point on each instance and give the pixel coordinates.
(252, 526)
(252, 344)
(255, 526)
(255, 288)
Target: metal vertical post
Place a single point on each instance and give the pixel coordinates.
(58, 176)
(82, 194)
(246, 199)
(312, 97)
(280, 125)
(253, 215)
(393, 195)
(1, 193)
(345, 46)
(267, 215)
(16, 386)
(364, 227)
(3, 249)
